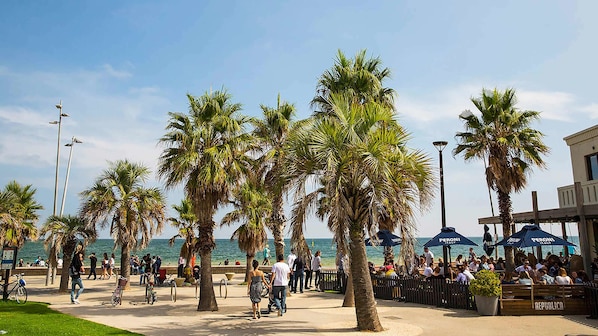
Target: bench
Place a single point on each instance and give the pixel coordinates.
(543, 300)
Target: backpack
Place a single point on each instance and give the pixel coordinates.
(74, 272)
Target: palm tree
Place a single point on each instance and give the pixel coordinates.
(63, 234)
(252, 207)
(502, 138)
(358, 153)
(119, 200)
(359, 77)
(271, 134)
(186, 224)
(205, 151)
(18, 214)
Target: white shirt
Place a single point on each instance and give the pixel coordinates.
(429, 257)
(280, 272)
(316, 263)
(473, 266)
(468, 275)
(291, 260)
(428, 271)
(523, 268)
(562, 280)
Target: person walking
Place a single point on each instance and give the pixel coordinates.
(308, 270)
(316, 266)
(298, 271)
(254, 288)
(75, 272)
(266, 260)
(93, 262)
(181, 267)
(112, 265)
(105, 267)
(279, 282)
(291, 261)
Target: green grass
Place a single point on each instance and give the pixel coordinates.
(34, 318)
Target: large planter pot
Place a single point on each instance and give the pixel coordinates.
(487, 305)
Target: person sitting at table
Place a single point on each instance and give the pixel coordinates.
(459, 260)
(500, 264)
(428, 270)
(474, 265)
(525, 267)
(507, 278)
(525, 278)
(563, 278)
(436, 274)
(544, 278)
(461, 277)
(484, 264)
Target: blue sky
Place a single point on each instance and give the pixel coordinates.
(119, 67)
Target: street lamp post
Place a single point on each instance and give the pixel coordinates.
(440, 145)
(52, 263)
(68, 170)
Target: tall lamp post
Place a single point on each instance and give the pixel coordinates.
(68, 170)
(52, 263)
(440, 145)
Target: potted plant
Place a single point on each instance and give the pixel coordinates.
(486, 289)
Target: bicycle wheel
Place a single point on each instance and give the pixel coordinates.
(115, 297)
(265, 291)
(21, 295)
(173, 291)
(224, 283)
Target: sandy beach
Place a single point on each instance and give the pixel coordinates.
(308, 314)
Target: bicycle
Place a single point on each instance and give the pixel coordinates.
(150, 293)
(18, 291)
(118, 292)
(169, 282)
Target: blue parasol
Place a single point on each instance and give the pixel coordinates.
(447, 237)
(532, 235)
(383, 238)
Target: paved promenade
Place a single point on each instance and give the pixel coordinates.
(308, 314)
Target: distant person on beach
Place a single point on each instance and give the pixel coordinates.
(226, 262)
(75, 271)
(254, 288)
(20, 262)
(105, 267)
(298, 273)
(316, 266)
(429, 256)
(279, 282)
(93, 262)
(237, 262)
(266, 252)
(181, 267)
(112, 265)
(290, 262)
(308, 271)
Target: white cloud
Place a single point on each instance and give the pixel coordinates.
(116, 73)
(553, 105)
(591, 109)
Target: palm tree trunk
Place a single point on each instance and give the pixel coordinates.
(365, 305)
(68, 250)
(277, 221)
(389, 254)
(506, 216)
(248, 260)
(207, 297)
(125, 270)
(349, 300)
(187, 269)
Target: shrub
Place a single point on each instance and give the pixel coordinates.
(486, 283)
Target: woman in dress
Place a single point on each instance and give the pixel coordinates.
(254, 288)
(111, 266)
(563, 278)
(105, 266)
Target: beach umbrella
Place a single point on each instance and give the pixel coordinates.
(532, 235)
(447, 237)
(383, 238)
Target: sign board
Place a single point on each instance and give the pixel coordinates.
(8, 257)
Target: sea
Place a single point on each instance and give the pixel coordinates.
(227, 249)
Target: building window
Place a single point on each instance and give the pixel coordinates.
(592, 164)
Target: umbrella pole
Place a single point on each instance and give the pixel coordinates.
(450, 268)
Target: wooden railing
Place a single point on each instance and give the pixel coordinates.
(566, 194)
(544, 299)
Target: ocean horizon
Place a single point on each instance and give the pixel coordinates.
(227, 249)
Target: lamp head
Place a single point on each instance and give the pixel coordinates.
(53, 122)
(58, 106)
(440, 145)
(75, 140)
(466, 114)
(64, 115)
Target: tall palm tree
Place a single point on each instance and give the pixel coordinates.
(186, 224)
(271, 134)
(358, 153)
(118, 199)
(502, 136)
(18, 214)
(63, 233)
(252, 207)
(360, 77)
(205, 152)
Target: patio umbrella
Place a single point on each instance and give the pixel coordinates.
(532, 235)
(383, 238)
(447, 237)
